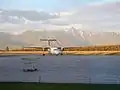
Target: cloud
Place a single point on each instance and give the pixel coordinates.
(104, 17)
(30, 15)
(100, 2)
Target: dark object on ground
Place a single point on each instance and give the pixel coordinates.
(43, 54)
(30, 70)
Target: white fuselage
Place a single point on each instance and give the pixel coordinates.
(55, 51)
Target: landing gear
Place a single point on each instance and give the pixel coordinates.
(57, 54)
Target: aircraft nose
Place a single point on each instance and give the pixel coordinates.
(57, 52)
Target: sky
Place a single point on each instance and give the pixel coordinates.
(96, 15)
(48, 5)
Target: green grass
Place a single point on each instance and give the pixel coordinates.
(43, 86)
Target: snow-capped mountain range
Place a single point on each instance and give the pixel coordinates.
(72, 37)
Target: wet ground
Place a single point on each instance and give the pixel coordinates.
(61, 69)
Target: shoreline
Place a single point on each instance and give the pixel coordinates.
(64, 52)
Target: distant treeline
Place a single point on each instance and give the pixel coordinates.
(94, 48)
(86, 48)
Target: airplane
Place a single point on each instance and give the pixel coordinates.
(53, 50)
